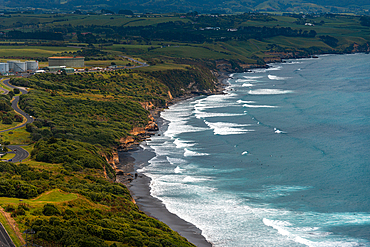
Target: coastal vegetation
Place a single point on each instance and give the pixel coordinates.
(77, 208)
(79, 120)
(65, 191)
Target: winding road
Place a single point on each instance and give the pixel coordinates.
(142, 64)
(4, 238)
(20, 153)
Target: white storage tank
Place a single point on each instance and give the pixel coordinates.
(20, 67)
(4, 68)
(11, 64)
(32, 65)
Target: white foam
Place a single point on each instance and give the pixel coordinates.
(200, 115)
(222, 128)
(202, 106)
(259, 106)
(182, 144)
(226, 220)
(269, 91)
(177, 127)
(253, 77)
(178, 170)
(247, 85)
(280, 227)
(292, 62)
(277, 131)
(194, 179)
(193, 153)
(144, 146)
(284, 228)
(273, 68)
(245, 101)
(175, 161)
(274, 77)
(232, 219)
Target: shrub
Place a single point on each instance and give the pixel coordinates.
(7, 120)
(9, 208)
(50, 209)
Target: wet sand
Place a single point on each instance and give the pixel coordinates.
(139, 187)
(140, 191)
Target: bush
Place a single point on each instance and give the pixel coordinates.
(50, 209)
(7, 120)
(9, 208)
(18, 118)
(19, 211)
(18, 189)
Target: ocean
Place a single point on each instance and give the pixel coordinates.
(280, 159)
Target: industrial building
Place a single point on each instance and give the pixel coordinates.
(4, 68)
(18, 66)
(74, 62)
(54, 69)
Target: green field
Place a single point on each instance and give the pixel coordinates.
(115, 41)
(53, 196)
(33, 51)
(17, 136)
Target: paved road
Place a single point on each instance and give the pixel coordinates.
(16, 108)
(4, 238)
(20, 153)
(142, 64)
(4, 91)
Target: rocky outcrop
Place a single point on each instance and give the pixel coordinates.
(147, 105)
(152, 126)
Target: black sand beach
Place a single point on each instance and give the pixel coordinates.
(140, 191)
(131, 161)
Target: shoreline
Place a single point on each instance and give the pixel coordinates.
(136, 158)
(140, 191)
(139, 186)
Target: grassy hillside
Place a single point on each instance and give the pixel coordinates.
(207, 6)
(67, 192)
(66, 188)
(244, 38)
(77, 208)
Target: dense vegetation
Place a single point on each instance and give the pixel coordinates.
(101, 108)
(67, 190)
(101, 215)
(201, 29)
(7, 115)
(88, 107)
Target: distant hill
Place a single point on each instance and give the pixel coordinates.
(202, 6)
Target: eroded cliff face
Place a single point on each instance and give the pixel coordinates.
(196, 81)
(360, 48)
(113, 160)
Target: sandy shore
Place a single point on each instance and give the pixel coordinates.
(140, 190)
(139, 187)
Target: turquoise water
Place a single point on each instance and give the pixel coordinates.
(282, 159)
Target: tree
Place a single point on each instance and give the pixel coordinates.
(7, 120)
(50, 209)
(125, 12)
(107, 11)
